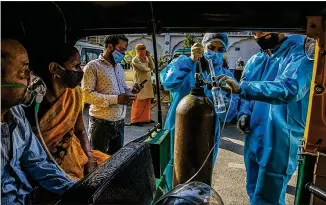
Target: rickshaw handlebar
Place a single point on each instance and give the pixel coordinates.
(149, 133)
(316, 191)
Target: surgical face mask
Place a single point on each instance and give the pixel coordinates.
(117, 56)
(216, 57)
(268, 43)
(35, 90)
(68, 77)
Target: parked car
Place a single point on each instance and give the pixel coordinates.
(88, 52)
(181, 51)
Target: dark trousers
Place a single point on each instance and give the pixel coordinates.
(106, 136)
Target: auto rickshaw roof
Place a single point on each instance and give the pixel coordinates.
(89, 18)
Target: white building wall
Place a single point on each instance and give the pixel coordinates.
(147, 41)
(244, 48)
(241, 44)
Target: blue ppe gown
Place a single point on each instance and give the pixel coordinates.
(275, 93)
(178, 78)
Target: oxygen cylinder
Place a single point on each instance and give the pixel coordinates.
(194, 138)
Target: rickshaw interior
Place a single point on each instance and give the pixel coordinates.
(41, 24)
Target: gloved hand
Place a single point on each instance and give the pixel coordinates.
(228, 84)
(243, 124)
(196, 52)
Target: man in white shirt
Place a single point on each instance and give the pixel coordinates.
(107, 93)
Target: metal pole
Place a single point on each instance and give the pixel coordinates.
(159, 112)
(317, 191)
(64, 20)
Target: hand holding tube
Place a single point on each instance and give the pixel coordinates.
(228, 84)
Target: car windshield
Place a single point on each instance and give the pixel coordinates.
(89, 54)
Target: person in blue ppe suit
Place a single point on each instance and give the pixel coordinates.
(275, 94)
(178, 78)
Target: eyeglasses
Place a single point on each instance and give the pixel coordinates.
(216, 49)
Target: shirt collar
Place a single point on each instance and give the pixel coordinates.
(11, 120)
(104, 60)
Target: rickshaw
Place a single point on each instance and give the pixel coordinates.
(40, 24)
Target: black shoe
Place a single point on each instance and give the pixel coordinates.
(135, 124)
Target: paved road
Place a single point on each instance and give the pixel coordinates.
(133, 132)
(229, 176)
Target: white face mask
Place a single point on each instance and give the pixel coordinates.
(309, 48)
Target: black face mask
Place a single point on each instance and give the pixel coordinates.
(70, 78)
(269, 43)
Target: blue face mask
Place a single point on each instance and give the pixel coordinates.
(216, 57)
(117, 56)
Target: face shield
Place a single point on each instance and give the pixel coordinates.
(309, 48)
(216, 45)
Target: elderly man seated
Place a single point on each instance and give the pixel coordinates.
(22, 156)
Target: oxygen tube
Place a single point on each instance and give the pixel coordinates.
(36, 90)
(39, 91)
(37, 105)
(38, 101)
(30, 102)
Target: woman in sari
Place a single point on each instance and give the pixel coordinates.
(60, 113)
